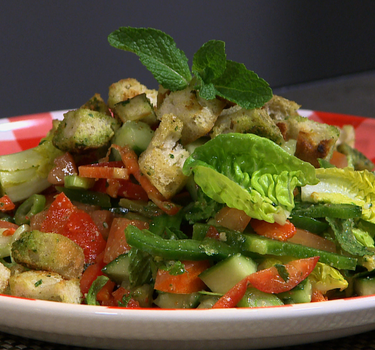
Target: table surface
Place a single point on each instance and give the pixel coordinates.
(354, 95)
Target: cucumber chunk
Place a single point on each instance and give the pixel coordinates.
(299, 294)
(136, 134)
(226, 273)
(177, 301)
(364, 286)
(256, 298)
(118, 269)
(136, 108)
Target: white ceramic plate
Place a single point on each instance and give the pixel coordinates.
(116, 328)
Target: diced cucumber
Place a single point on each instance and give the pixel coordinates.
(136, 134)
(364, 286)
(142, 294)
(207, 301)
(75, 181)
(299, 294)
(226, 273)
(177, 301)
(256, 298)
(118, 269)
(136, 108)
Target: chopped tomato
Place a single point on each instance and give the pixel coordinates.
(130, 160)
(317, 296)
(232, 218)
(9, 231)
(82, 230)
(64, 218)
(185, 283)
(212, 232)
(6, 203)
(65, 165)
(105, 293)
(274, 230)
(7, 224)
(103, 221)
(127, 189)
(270, 281)
(339, 160)
(90, 275)
(105, 170)
(119, 294)
(312, 240)
(116, 242)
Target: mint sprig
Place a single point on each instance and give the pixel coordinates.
(214, 75)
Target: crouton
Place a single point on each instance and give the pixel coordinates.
(128, 88)
(46, 286)
(314, 140)
(84, 129)
(50, 252)
(164, 157)
(254, 121)
(96, 103)
(198, 115)
(4, 277)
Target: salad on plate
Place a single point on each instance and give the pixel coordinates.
(209, 192)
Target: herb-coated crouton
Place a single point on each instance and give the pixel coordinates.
(128, 88)
(254, 121)
(46, 286)
(96, 103)
(198, 115)
(84, 129)
(314, 140)
(4, 277)
(164, 157)
(50, 252)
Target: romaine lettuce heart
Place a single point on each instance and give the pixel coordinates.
(250, 173)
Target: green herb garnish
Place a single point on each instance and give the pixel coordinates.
(214, 75)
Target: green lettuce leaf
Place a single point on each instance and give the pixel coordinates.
(344, 186)
(325, 278)
(250, 173)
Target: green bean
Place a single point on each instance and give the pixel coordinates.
(338, 211)
(31, 206)
(181, 249)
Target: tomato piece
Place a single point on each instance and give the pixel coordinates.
(9, 232)
(7, 224)
(57, 215)
(233, 296)
(118, 296)
(269, 281)
(90, 275)
(64, 218)
(103, 221)
(317, 296)
(82, 230)
(274, 230)
(212, 232)
(127, 189)
(339, 160)
(6, 203)
(116, 242)
(105, 170)
(232, 218)
(185, 283)
(312, 240)
(105, 293)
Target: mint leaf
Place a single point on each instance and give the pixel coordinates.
(158, 52)
(210, 61)
(242, 86)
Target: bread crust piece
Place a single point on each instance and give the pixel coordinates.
(46, 286)
(128, 88)
(198, 115)
(164, 157)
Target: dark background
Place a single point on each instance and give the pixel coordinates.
(55, 54)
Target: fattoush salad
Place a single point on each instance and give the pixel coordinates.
(208, 192)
